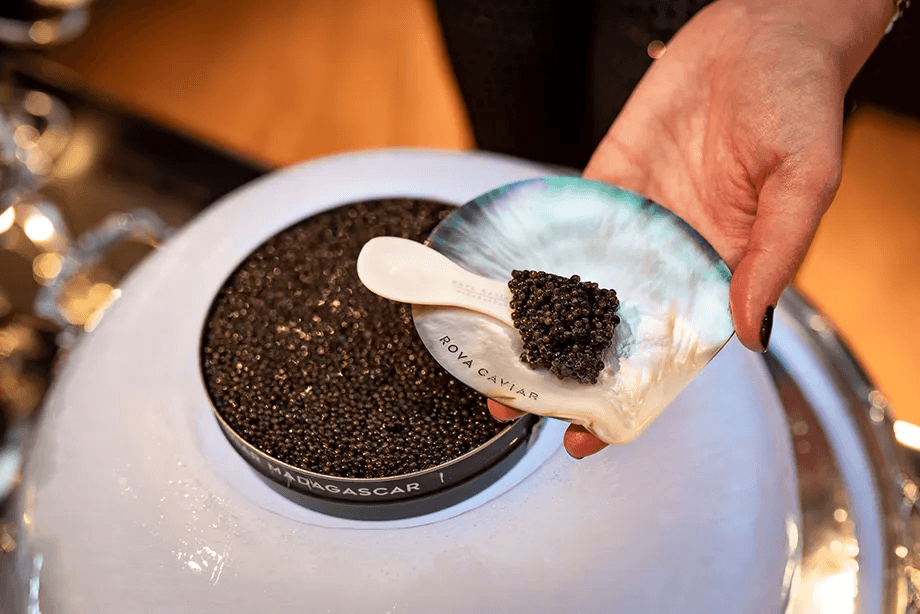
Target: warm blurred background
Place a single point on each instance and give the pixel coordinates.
(282, 81)
(288, 80)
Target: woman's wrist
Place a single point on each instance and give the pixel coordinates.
(850, 28)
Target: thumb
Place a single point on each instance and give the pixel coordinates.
(790, 206)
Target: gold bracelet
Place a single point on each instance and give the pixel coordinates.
(899, 6)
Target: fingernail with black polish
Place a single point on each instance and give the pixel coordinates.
(766, 327)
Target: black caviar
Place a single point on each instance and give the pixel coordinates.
(307, 365)
(566, 324)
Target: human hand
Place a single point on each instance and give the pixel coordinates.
(737, 128)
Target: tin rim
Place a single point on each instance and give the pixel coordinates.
(386, 490)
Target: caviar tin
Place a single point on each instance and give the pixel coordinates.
(772, 483)
(326, 390)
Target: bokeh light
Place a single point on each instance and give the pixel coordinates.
(6, 219)
(46, 267)
(38, 228)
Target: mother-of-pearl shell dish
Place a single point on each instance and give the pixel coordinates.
(671, 284)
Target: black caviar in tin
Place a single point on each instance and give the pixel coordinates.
(326, 388)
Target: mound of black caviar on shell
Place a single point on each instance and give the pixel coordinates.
(566, 324)
(310, 367)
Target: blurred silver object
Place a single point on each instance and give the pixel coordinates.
(32, 24)
(771, 483)
(71, 298)
(41, 130)
(15, 177)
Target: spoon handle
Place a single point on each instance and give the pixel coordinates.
(409, 272)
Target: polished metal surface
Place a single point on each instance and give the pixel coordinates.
(672, 288)
(827, 572)
(859, 515)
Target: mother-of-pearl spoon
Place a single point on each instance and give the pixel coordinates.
(409, 272)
